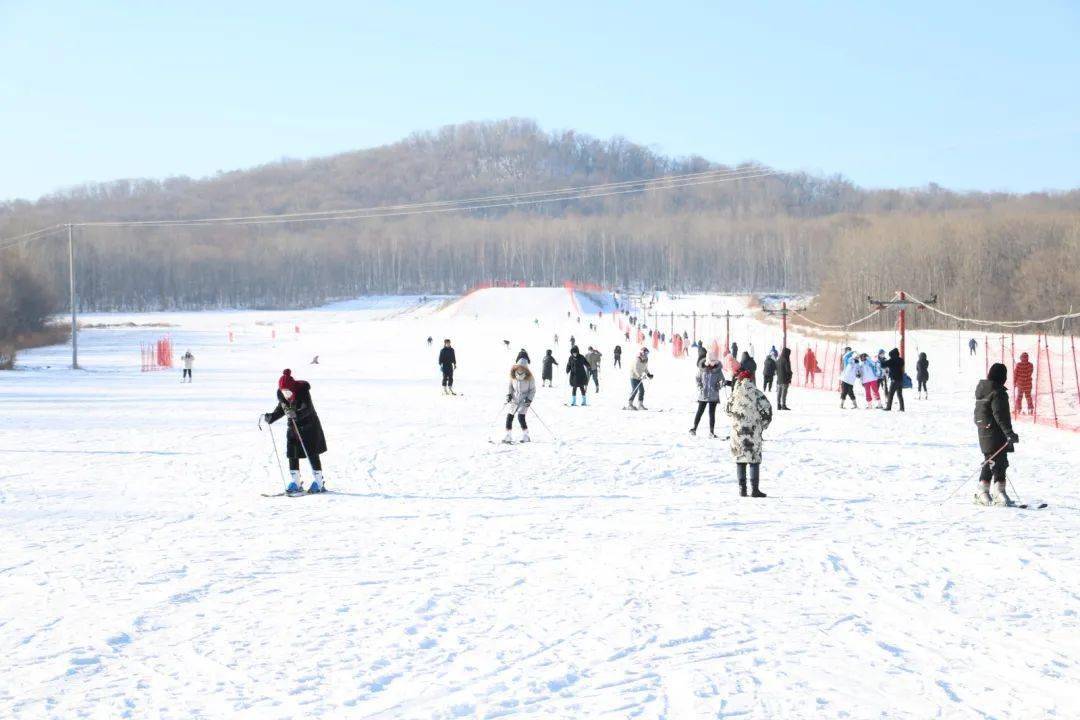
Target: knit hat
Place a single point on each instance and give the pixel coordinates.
(998, 373)
(743, 374)
(286, 384)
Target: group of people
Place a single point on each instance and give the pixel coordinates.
(879, 373)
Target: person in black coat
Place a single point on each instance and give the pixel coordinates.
(768, 371)
(549, 361)
(784, 374)
(922, 375)
(894, 367)
(304, 437)
(448, 363)
(748, 364)
(577, 368)
(702, 354)
(617, 352)
(996, 436)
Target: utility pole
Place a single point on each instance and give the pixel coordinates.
(783, 312)
(903, 303)
(71, 289)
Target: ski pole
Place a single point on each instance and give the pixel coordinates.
(544, 424)
(281, 470)
(983, 463)
(296, 429)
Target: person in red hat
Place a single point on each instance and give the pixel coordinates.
(304, 437)
(750, 414)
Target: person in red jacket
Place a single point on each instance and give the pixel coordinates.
(1022, 374)
(810, 365)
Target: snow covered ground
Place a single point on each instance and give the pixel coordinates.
(605, 570)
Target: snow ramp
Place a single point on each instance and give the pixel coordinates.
(529, 303)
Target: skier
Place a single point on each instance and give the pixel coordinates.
(304, 437)
(747, 363)
(189, 360)
(750, 414)
(429, 341)
(627, 334)
(556, 340)
(506, 344)
(577, 368)
(1022, 374)
(573, 341)
(594, 356)
(922, 375)
(810, 366)
(522, 354)
(870, 375)
(996, 436)
(734, 350)
(549, 360)
(768, 370)
(894, 367)
(448, 363)
(518, 398)
(849, 377)
(710, 378)
(972, 345)
(314, 360)
(784, 375)
(617, 353)
(637, 379)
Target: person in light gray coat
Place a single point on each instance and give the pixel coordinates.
(750, 414)
(594, 356)
(519, 397)
(710, 378)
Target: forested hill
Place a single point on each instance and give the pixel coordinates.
(786, 231)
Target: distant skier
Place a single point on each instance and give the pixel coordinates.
(922, 375)
(637, 380)
(577, 368)
(627, 334)
(556, 341)
(768, 370)
(522, 355)
(304, 437)
(189, 362)
(594, 356)
(750, 414)
(506, 344)
(448, 364)
(735, 350)
(1022, 375)
(784, 375)
(573, 341)
(429, 341)
(617, 354)
(996, 436)
(549, 361)
(314, 360)
(710, 378)
(972, 345)
(518, 398)
(894, 367)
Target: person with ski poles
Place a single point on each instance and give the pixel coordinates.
(637, 380)
(710, 378)
(189, 362)
(519, 397)
(577, 370)
(546, 373)
(996, 436)
(750, 414)
(304, 437)
(447, 363)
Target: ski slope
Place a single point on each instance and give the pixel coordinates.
(606, 570)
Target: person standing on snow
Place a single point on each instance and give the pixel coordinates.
(702, 355)
(784, 375)
(594, 356)
(1022, 375)
(448, 363)
(617, 354)
(549, 361)
(849, 378)
(189, 361)
(710, 378)
(870, 375)
(577, 368)
(637, 380)
(556, 341)
(768, 370)
(750, 414)
(810, 366)
(972, 345)
(894, 367)
(747, 363)
(304, 437)
(922, 375)
(518, 399)
(996, 436)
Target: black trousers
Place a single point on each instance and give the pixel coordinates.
(755, 472)
(316, 463)
(896, 387)
(186, 373)
(521, 421)
(574, 389)
(618, 361)
(781, 395)
(995, 468)
(767, 384)
(922, 386)
(448, 376)
(701, 411)
(847, 391)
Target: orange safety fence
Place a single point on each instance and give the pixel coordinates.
(1046, 390)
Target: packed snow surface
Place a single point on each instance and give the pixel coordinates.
(608, 569)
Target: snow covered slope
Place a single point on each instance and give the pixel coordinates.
(606, 570)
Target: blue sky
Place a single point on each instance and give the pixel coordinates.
(968, 95)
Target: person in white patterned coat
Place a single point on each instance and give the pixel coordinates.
(519, 397)
(750, 414)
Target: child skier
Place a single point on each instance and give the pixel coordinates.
(577, 368)
(304, 435)
(750, 414)
(549, 361)
(518, 399)
(996, 436)
(637, 380)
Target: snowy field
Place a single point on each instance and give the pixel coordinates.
(608, 570)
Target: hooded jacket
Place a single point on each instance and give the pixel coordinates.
(894, 366)
(522, 390)
(710, 378)
(784, 372)
(594, 356)
(311, 439)
(641, 367)
(1023, 373)
(768, 368)
(922, 368)
(549, 361)
(577, 367)
(992, 412)
(750, 414)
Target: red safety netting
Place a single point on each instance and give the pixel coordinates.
(1047, 391)
(157, 355)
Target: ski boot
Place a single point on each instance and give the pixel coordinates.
(317, 484)
(693, 431)
(294, 485)
(742, 488)
(1001, 498)
(641, 406)
(584, 401)
(573, 401)
(525, 437)
(509, 439)
(982, 497)
(712, 434)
